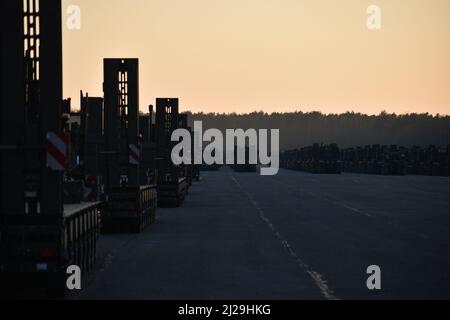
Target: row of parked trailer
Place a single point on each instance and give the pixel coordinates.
(371, 159)
(67, 176)
(315, 159)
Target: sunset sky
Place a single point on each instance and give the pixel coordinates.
(270, 55)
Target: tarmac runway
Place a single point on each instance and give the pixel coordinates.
(291, 236)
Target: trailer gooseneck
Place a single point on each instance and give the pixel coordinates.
(129, 203)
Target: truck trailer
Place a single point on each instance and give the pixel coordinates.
(39, 235)
(172, 181)
(129, 204)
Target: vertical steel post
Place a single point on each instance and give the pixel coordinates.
(121, 110)
(31, 97)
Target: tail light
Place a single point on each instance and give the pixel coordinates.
(47, 252)
(131, 207)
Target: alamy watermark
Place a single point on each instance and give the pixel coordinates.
(374, 280)
(374, 19)
(241, 147)
(73, 21)
(73, 281)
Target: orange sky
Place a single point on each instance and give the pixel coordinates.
(270, 55)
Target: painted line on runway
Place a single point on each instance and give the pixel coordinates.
(329, 200)
(314, 275)
(355, 210)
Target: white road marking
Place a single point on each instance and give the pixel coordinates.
(351, 208)
(315, 276)
(355, 210)
(332, 201)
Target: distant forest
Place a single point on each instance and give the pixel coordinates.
(350, 129)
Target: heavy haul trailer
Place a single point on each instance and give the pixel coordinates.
(195, 168)
(375, 159)
(187, 170)
(148, 172)
(393, 161)
(90, 147)
(92, 139)
(128, 204)
(323, 159)
(432, 160)
(132, 207)
(172, 193)
(172, 184)
(36, 251)
(290, 159)
(39, 236)
(318, 159)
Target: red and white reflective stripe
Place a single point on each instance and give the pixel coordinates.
(89, 190)
(57, 151)
(135, 154)
(88, 193)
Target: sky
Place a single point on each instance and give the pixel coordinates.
(267, 55)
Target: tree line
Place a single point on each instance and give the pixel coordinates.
(298, 129)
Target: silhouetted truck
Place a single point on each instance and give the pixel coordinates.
(187, 170)
(172, 181)
(129, 204)
(148, 170)
(39, 236)
(375, 159)
(317, 158)
(91, 145)
(36, 250)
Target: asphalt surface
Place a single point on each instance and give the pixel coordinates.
(291, 236)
